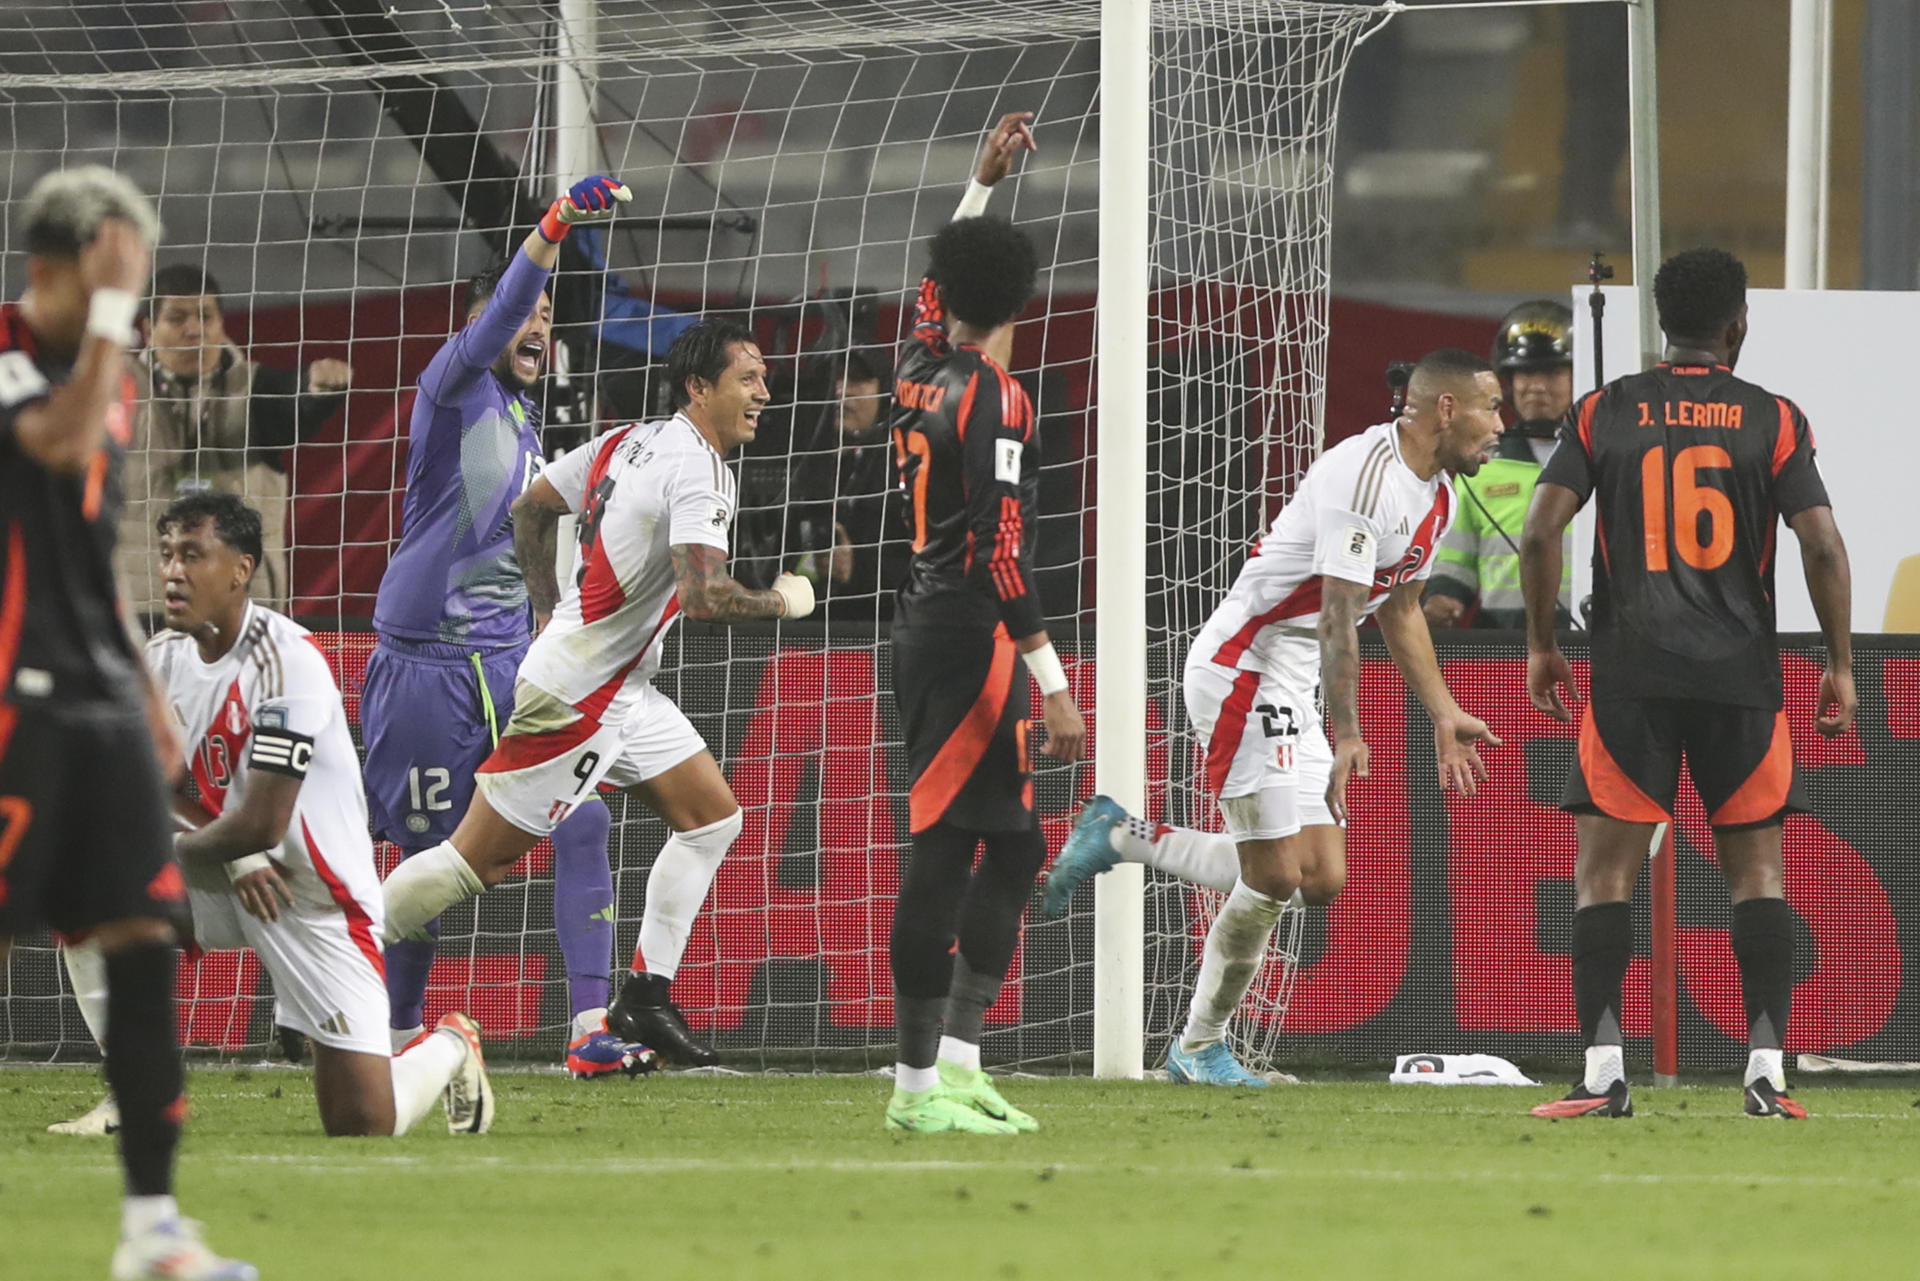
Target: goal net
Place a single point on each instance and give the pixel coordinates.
(337, 167)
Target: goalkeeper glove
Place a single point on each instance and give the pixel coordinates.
(796, 593)
(589, 200)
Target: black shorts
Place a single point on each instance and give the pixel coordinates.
(1741, 760)
(963, 699)
(85, 821)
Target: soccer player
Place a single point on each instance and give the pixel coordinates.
(454, 625)
(1357, 539)
(655, 501)
(1691, 467)
(84, 844)
(277, 857)
(969, 455)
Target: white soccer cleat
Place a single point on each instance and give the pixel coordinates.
(102, 1121)
(174, 1249)
(469, 1098)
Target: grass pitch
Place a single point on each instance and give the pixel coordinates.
(794, 1177)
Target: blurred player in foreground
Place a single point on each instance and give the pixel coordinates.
(276, 856)
(1357, 539)
(1691, 467)
(454, 626)
(655, 501)
(79, 724)
(969, 454)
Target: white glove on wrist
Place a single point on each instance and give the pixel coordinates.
(247, 865)
(797, 592)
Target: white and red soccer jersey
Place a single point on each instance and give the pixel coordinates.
(639, 491)
(1360, 515)
(271, 704)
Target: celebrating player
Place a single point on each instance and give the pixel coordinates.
(454, 626)
(1357, 539)
(1691, 467)
(278, 858)
(969, 454)
(655, 501)
(77, 720)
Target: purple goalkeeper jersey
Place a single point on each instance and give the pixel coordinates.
(471, 450)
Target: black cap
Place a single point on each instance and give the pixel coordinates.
(1534, 335)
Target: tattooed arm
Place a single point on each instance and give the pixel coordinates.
(536, 525)
(710, 594)
(1341, 604)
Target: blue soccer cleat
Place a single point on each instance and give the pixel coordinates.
(1088, 852)
(1214, 1065)
(595, 1052)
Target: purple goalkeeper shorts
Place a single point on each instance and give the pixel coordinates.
(424, 723)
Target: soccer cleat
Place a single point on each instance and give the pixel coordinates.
(103, 1120)
(1214, 1065)
(174, 1249)
(595, 1052)
(1088, 852)
(975, 1089)
(1763, 1100)
(644, 1014)
(469, 1097)
(1614, 1101)
(937, 1111)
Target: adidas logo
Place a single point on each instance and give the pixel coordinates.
(336, 1024)
(1403, 527)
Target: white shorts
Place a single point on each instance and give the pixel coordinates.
(550, 758)
(1267, 756)
(329, 978)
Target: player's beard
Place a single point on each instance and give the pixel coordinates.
(503, 370)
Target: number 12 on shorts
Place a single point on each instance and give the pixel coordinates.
(427, 789)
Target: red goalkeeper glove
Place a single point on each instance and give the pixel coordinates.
(589, 200)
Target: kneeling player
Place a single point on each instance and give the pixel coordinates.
(655, 501)
(284, 865)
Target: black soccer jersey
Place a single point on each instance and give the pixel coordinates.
(968, 458)
(61, 637)
(1692, 469)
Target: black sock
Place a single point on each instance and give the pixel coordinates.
(1602, 946)
(990, 927)
(1762, 938)
(143, 1064)
(969, 998)
(920, 950)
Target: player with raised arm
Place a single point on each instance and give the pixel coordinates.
(1357, 539)
(454, 625)
(78, 720)
(655, 501)
(277, 856)
(1691, 468)
(969, 455)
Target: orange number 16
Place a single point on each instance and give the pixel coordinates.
(1691, 500)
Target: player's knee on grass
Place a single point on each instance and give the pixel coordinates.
(354, 1093)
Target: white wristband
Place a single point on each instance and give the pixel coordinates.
(974, 203)
(247, 865)
(1046, 669)
(110, 315)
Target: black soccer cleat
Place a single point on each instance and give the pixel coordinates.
(1613, 1101)
(1763, 1100)
(643, 1012)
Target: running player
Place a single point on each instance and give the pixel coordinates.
(655, 502)
(277, 857)
(969, 454)
(78, 721)
(453, 625)
(1357, 539)
(1692, 468)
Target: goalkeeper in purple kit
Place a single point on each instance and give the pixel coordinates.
(453, 623)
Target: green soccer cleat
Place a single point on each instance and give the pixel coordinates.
(934, 1111)
(975, 1088)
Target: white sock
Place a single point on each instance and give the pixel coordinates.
(87, 972)
(140, 1214)
(677, 887)
(966, 1054)
(1771, 1064)
(1235, 947)
(915, 1080)
(1605, 1065)
(420, 1076)
(1202, 858)
(424, 886)
(401, 1038)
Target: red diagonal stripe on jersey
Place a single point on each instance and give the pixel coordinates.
(221, 745)
(359, 924)
(1224, 743)
(521, 751)
(1301, 601)
(600, 590)
(960, 755)
(595, 704)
